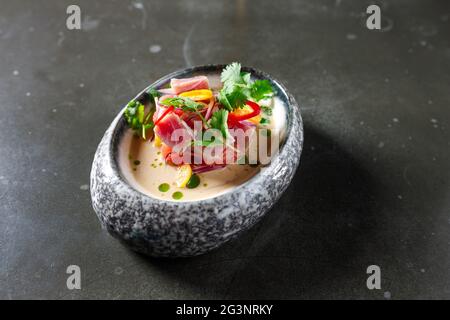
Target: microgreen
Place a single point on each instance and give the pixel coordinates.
(136, 117)
(185, 104)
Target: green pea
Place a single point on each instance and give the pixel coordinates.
(193, 182)
(164, 187)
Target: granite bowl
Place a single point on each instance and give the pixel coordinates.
(187, 228)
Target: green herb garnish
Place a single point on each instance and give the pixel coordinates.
(153, 92)
(261, 89)
(219, 121)
(264, 121)
(185, 104)
(238, 87)
(135, 114)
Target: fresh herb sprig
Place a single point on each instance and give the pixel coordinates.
(135, 114)
(238, 87)
(187, 105)
(183, 103)
(218, 121)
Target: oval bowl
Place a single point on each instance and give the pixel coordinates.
(187, 228)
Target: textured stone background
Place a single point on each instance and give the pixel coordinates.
(373, 184)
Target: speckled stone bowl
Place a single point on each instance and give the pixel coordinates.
(181, 229)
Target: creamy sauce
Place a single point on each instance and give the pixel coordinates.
(143, 166)
(153, 171)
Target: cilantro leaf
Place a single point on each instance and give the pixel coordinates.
(234, 99)
(246, 77)
(238, 87)
(219, 121)
(231, 74)
(261, 89)
(223, 99)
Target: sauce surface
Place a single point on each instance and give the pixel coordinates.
(143, 166)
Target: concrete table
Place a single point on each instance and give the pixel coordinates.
(373, 184)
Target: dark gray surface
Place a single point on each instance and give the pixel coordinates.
(373, 184)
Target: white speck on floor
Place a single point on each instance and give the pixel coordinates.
(16, 72)
(44, 170)
(61, 38)
(381, 144)
(423, 43)
(400, 197)
(81, 85)
(361, 123)
(351, 36)
(54, 110)
(422, 270)
(433, 120)
(395, 120)
(430, 101)
(138, 5)
(118, 270)
(387, 295)
(84, 187)
(28, 94)
(155, 48)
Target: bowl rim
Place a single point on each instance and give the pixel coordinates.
(119, 128)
